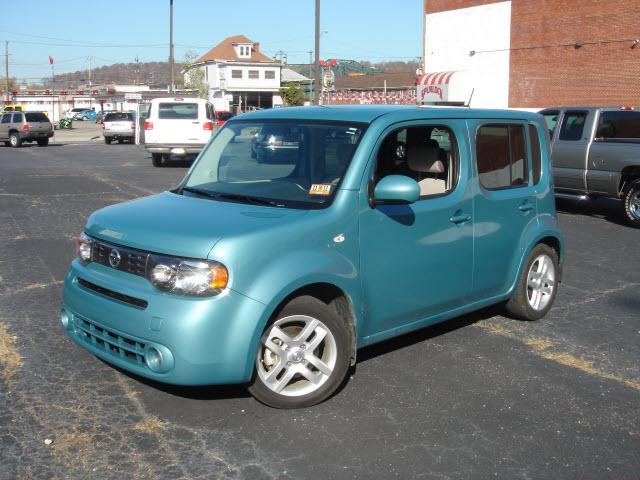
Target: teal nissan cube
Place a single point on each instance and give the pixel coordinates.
(300, 235)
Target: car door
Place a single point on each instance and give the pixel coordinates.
(416, 260)
(504, 202)
(570, 149)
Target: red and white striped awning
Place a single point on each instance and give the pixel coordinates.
(436, 78)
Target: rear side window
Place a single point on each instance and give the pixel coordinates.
(118, 117)
(619, 125)
(178, 111)
(536, 162)
(17, 118)
(6, 118)
(501, 156)
(572, 126)
(36, 117)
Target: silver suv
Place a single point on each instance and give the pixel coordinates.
(19, 127)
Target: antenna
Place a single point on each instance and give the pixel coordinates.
(468, 104)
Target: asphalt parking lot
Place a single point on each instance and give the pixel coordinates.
(481, 396)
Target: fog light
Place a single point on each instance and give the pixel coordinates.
(154, 359)
(65, 319)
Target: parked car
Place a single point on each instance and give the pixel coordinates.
(119, 126)
(72, 112)
(99, 118)
(19, 127)
(275, 274)
(85, 115)
(177, 126)
(596, 152)
(223, 116)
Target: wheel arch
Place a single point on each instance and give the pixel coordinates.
(628, 175)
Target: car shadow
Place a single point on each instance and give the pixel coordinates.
(609, 209)
(426, 333)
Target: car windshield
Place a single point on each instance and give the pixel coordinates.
(282, 164)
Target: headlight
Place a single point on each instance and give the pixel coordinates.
(187, 277)
(83, 248)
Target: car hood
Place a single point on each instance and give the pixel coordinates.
(181, 225)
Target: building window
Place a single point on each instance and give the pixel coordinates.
(269, 75)
(254, 74)
(236, 73)
(244, 51)
(501, 156)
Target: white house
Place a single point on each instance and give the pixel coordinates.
(239, 75)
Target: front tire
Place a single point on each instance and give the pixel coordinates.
(303, 355)
(631, 203)
(538, 285)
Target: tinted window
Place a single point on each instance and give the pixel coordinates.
(224, 115)
(536, 162)
(17, 118)
(118, 117)
(619, 125)
(551, 119)
(573, 126)
(501, 156)
(6, 118)
(36, 117)
(178, 111)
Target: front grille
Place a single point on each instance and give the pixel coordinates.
(137, 302)
(131, 260)
(120, 346)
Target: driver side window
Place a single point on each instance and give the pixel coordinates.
(426, 154)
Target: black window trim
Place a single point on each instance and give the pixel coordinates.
(520, 123)
(530, 153)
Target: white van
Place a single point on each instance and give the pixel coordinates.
(177, 126)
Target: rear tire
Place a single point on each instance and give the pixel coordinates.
(303, 356)
(15, 141)
(537, 286)
(631, 203)
(43, 143)
(157, 159)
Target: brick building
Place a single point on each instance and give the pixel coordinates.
(536, 53)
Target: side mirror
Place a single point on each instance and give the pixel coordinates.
(397, 189)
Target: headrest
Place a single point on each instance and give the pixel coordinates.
(424, 158)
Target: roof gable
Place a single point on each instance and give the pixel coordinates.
(225, 50)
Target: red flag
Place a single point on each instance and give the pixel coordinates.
(50, 60)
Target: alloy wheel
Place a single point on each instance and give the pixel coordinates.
(541, 282)
(297, 355)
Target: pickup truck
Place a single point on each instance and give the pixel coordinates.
(596, 152)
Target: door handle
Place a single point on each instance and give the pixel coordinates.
(527, 206)
(459, 218)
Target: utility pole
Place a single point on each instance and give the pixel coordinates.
(310, 63)
(90, 87)
(171, 59)
(318, 80)
(6, 68)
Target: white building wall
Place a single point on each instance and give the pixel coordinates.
(246, 83)
(450, 37)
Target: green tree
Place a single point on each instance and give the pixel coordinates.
(292, 94)
(194, 75)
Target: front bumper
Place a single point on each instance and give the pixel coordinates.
(174, 148)
(202, 341)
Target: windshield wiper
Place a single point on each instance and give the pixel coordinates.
(234, 196)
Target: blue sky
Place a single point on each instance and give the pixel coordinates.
(117, 31)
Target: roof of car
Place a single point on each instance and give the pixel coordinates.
(368, 113)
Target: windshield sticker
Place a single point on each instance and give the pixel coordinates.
(320, 189)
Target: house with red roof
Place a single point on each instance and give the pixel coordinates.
(240, 76)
